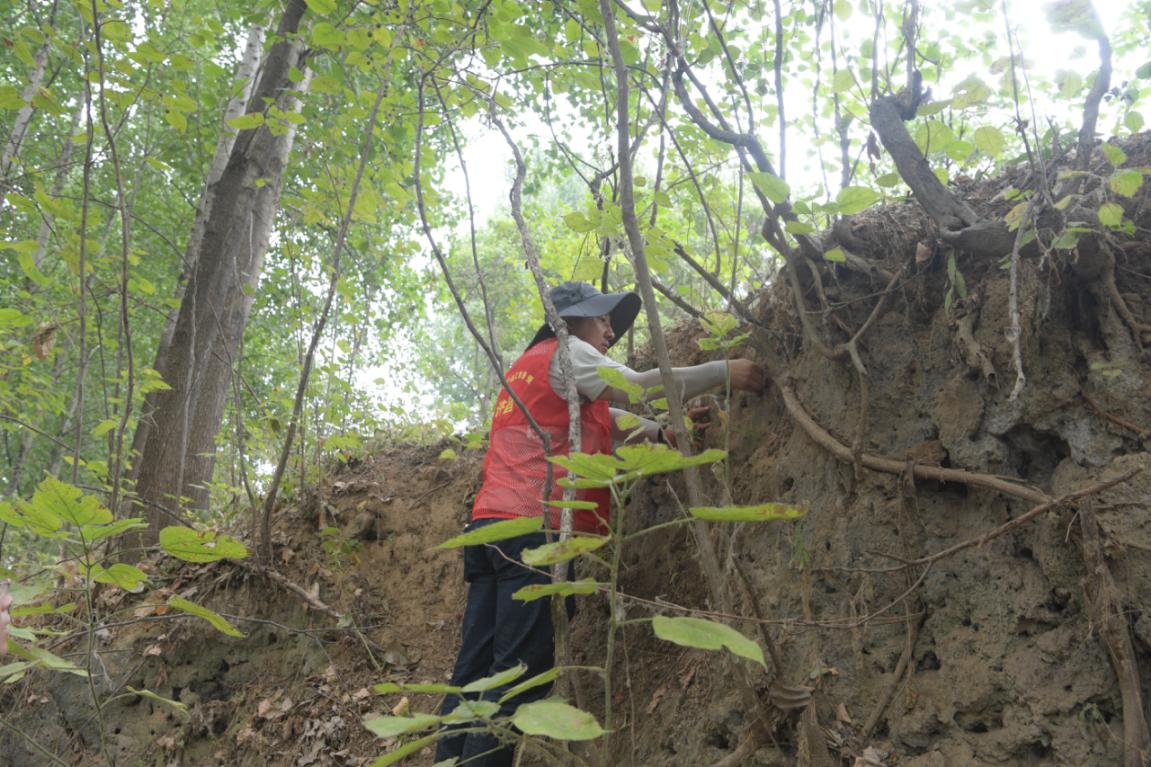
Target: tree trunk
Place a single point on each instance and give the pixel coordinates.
(245, 73)
(177, 456)
(11, 151)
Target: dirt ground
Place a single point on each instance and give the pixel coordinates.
(999, 653)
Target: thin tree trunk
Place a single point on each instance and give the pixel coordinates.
(11, 151)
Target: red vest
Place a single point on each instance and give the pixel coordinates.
(515, 469)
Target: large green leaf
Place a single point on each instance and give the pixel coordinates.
(41, 657)
(471, 710)
(497, 680)
(773, 187)
(648, 460)
(93, 533)
(853, 199)
(538, 680)
(562, 551)
(125, 576)
(556, 719)
(391, 726)
(594, 466)
(761, 512)
(405, 751)
(218, 621)
(200, 545)
(1125, 182)
(564, 588)
(707, 635)
(67, 503)
(496, 531)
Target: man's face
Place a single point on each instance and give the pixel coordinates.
(594, 330)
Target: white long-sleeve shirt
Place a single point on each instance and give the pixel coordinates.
(586, 362)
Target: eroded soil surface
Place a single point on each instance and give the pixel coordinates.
(996, 654)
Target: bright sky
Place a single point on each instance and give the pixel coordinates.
(489, 159)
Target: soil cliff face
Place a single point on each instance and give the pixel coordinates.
(1023, 649)
(1032, 645)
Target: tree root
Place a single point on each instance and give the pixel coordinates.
(755, 737)
(1141, 332)
(893, 466)
(913, 627)
(1102, 598)
(1019, 521)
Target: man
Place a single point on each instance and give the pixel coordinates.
(498, 631)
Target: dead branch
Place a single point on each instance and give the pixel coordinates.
(1091, 403)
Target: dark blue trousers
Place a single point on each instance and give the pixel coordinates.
(498, 633)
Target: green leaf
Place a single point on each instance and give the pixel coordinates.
(798, 227)
(182, 707)
(125, 576)
(597, 466)
(562, 551)
(1134, 121)
(853, 199)
(13, 672)
(573, 504)
(1125, 182)
(1111, 215)
(648, 460)
(66, 503)
(616, 380)
(842, 81)
(405, 751)
(835, 255)
(888, 180)
(322, 7)
(34, 520)
(497, 680)
(248, 121)
(496, 531)
(970, 92)
(538, 680)
(773, 187)
(1066, 240)
(1114, 154)
(13, 318)
(31, 271)
(555, 719)
(989, 140)
(324, 35)
(763, 512)
(44, 659)
(1074, 16)
(470, 710)
(217, 620)
(564, 588)
(391, 726)
(200, 545)
(707, 635)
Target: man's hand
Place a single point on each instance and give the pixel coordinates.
(745, 375)
(5, 618)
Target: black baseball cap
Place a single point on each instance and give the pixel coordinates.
(579, 299)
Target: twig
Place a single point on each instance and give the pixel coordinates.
(913, 627)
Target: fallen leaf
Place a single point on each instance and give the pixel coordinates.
(154, 650)
(842, 715)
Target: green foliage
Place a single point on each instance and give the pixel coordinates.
(218, 621)
(760, 512)
(496, 531)
(707, 635)
(554, 718)
(200, 545)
